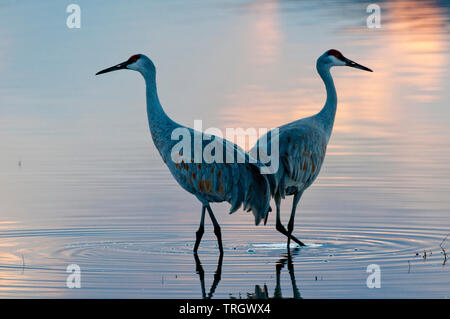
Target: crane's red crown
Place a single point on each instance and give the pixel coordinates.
(134, 58)
(336, 54)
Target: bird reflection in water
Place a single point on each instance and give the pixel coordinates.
(260, 293)
(201, 273)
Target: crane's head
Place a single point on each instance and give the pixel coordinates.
(335, 58)
(137, 62)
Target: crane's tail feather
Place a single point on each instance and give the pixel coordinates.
(250, 188)
(237, 199)
(267, 215)
(258, 194)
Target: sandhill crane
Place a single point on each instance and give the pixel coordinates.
(303, 143)
(237, 182)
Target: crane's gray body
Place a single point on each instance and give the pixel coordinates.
(302, 148)
(236, 183)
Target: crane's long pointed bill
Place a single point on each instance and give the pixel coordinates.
(356, 65)
(113, 68)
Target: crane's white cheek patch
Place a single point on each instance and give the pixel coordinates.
(336, 61)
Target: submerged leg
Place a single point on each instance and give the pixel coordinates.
(297, 197)
(279, 225)
(295, 290)
(216, 228)
(277, 292)
(200, 231)
(217, 277)
(201, 274)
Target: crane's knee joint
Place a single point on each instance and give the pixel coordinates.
(290, 227)
(280, 228)
(200, 231)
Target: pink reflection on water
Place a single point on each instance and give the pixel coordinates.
(409, 56)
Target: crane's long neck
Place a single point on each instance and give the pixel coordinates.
(155, 111)
(160, 124)
(328, 112)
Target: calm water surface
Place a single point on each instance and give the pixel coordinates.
(81, 181)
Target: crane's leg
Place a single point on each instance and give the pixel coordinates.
(200, 231)
(297, 197)
(216, 228)
(279, 225)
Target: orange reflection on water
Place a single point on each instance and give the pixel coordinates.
(418, 41)
(10, 259)
(408, 55)
(264, 33)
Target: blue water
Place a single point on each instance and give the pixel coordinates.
(82, 183)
